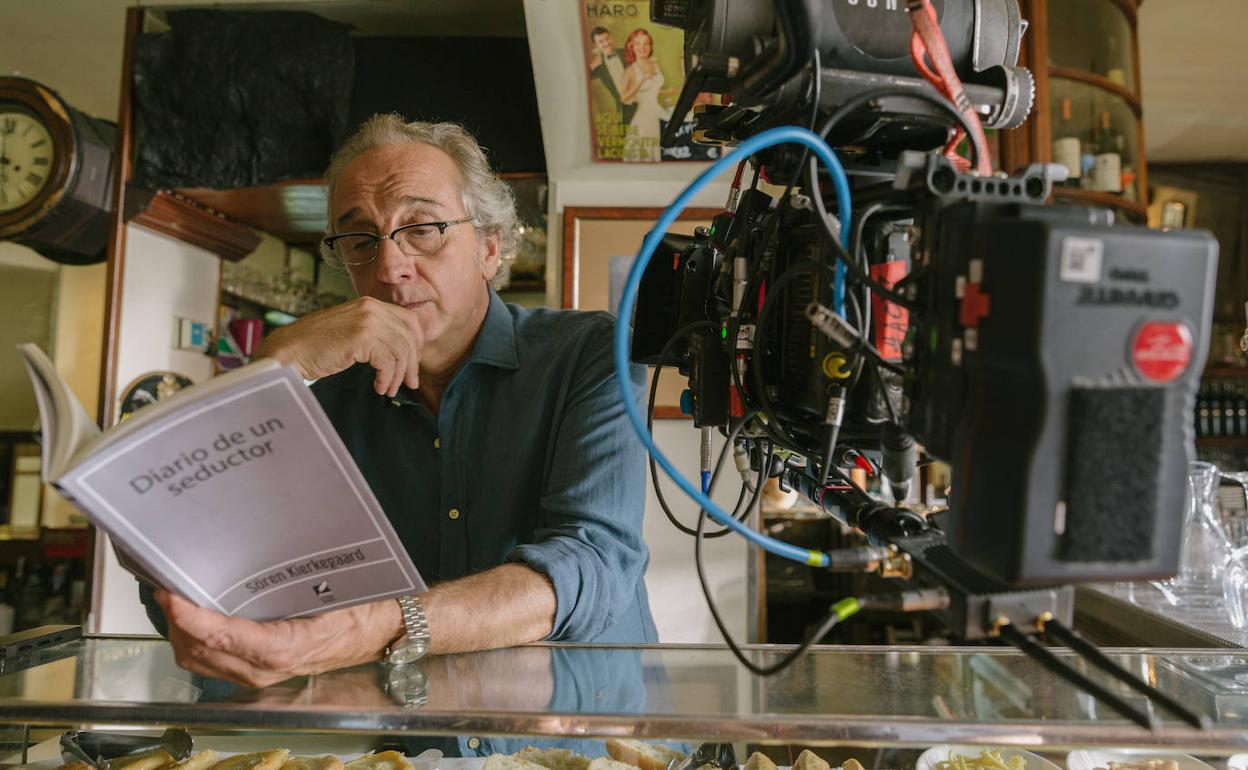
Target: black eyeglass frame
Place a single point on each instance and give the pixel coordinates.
(377, 239)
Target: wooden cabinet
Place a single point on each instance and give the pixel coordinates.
(1085, 58)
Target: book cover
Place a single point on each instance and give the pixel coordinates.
(239, 495)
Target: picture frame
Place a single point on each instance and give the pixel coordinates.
(599, 245)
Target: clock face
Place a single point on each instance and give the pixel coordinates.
(25, 158)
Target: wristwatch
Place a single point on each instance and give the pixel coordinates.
(415, 641)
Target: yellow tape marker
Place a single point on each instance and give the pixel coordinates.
(846, 607)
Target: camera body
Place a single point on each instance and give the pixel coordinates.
(1049, 355)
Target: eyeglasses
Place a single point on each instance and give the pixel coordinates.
(423, 239)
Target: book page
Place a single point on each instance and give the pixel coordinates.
(65, 427)
(244, 500)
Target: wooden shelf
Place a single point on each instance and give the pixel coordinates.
(1222, 442)
(1101, 82)
(1225, 372)
(1101, 199)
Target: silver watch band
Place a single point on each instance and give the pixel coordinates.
(415, 641)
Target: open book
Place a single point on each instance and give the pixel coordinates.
(237, 494)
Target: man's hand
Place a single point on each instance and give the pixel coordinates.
(260, 654)
(387, 337)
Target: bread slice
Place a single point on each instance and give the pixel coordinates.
(327, 762)
(200, 761)
(809, 760)
(508, 762)
(554, 759)
(148, 760)
(606, 763)
(382, 760)
(852, 764)
(647, 756)
(759, 761)
(257, 760)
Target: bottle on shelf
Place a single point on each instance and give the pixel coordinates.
(1067, 147)
(1107, 166)
(1241, 412)
(1202, 410)
(1087, 161)
(1215, 408)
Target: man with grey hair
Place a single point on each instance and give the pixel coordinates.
(492, 435)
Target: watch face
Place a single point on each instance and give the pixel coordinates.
(25, 158)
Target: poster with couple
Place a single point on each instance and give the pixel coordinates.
(635, 70)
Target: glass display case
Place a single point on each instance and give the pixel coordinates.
(1094, 37)
(1084, 56)
(868, 697)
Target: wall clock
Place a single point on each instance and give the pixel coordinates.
(56, 174)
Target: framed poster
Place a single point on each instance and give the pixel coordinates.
(635, 71)
(599, 246)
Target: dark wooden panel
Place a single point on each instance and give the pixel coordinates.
(180, 217)
(293, 211)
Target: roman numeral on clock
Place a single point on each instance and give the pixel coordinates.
(8, 126)
(38, 143)
(34, 179)
(40, 161)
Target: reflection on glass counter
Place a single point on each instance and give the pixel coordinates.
(1093, 36)
(882, 696)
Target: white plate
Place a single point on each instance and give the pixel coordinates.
(936, 754)
(1090, 760)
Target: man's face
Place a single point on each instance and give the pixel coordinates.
(604, 43)
(387, 187)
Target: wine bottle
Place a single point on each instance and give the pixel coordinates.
(1230, 410)
(1215, 409)
(1202, 410)
(1241, 412)
(1107, 168)
(1067, 148)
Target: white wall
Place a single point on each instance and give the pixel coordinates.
(576, 180)
(164, 279)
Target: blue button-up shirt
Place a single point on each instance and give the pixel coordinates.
(529, 459)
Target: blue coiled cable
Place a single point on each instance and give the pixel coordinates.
(623, 328)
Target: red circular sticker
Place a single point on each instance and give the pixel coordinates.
(1162, 351)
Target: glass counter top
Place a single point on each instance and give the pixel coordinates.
(869, 696)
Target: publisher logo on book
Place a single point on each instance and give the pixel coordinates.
(324, 592)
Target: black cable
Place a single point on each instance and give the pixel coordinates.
(839, 250)
(1093, 654)
(813, 177)
(680, 334)
(1045, 657)
(817, 86)
(888, 401)
(828, 623)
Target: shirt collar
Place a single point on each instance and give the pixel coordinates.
(496, 342)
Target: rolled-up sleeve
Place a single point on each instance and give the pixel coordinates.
(590, 544)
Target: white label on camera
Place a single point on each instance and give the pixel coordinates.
(1081, 260)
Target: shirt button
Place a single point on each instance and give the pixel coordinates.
(437, 443)
(474, 743)
(453, 513)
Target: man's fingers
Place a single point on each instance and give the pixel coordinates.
(416, 342)
(382, 359)
(223, 665)
(209, 643)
